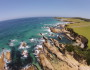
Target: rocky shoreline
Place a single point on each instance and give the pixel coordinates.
(82, 40)
(53, 55)
(7, 61)
(4, 59)
(71, 35)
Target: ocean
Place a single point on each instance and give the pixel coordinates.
(13, 32)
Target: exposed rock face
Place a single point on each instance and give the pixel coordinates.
(2, 62)
(59, 37)
(55, 30)
(81, 40)
(60, 61)
(23, 45)
(8, 56)
(59, 55)
(58, 30)
(84, 41)
(71, 35)
(45, 62)
(4, 58)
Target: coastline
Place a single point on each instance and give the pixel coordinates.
(52, 54)
(50, 49)
(79, 25)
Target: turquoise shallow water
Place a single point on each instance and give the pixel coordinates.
(22, 30)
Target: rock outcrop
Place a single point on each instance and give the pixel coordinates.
(59, 55)
(58, 30)
(4, 59)
(45, 62)
(81, 40)
(2, 62)
(52, 58)
(71, 35)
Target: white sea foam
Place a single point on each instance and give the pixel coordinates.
(26, 67)
(47, 29)
(6, 60)
(59, 23)
(32, 40)
(23, 47)
(14, 40)
(38, 50)
(43, 34)
(47, 24)
(11, 44)
(38, 46)
(41, 40)
(6, 50)
(25, 53)
(52, 24)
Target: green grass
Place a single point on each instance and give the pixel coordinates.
(81, 27)
(81, 53)
(85, 31)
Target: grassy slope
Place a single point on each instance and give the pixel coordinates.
(82, 28)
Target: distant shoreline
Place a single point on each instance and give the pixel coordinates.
(75, 50)
(53, 50)
(72, 22)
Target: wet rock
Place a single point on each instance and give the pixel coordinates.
(45, 38)
(23, 45)
(59, 37)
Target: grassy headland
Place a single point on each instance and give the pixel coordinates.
(80, 26)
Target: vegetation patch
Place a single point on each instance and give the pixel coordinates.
(80, 26)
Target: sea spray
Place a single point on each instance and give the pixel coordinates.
(18, 31)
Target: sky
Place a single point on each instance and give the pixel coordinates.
(13, 9)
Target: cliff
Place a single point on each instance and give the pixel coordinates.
(71, 35)
(55, 55)
(53, 58)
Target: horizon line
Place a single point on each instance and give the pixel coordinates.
(38, 17)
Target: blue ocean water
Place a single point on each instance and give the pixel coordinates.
(22, 29)
(18, 30)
